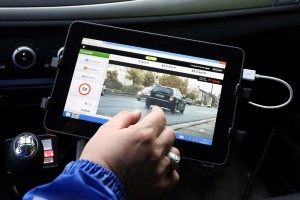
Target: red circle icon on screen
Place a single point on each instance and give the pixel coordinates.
(84, 89)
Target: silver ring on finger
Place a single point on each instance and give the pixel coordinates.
(174, 160)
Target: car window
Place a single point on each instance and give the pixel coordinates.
(149, 89)
(164, 90)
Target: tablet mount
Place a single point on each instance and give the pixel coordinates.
(245, 95)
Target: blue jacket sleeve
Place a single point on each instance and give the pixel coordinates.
(81, 179)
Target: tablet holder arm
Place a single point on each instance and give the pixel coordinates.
(243, 94)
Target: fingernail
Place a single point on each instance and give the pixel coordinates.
(136, 111)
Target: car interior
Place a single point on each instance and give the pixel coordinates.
(264, 157)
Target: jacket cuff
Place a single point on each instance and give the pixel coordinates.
(102, 174)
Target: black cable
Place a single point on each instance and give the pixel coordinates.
(260, 161)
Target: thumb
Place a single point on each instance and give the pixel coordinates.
(124, 119)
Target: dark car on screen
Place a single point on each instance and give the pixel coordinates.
(144, 93)
(166, 97)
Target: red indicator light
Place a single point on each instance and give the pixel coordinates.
(48, 153)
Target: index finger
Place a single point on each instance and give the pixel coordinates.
(124, 119)
(156, 120)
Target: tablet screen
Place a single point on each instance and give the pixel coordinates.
(111, 77)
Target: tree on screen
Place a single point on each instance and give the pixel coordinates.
(135, 75)
(149, 79)
(174, 82)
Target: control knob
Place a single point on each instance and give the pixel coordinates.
(24, 57)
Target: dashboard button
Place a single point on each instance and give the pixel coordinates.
(24, 57)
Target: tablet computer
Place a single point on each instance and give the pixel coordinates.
(106, 70)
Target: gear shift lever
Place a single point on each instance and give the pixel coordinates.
(26, 156)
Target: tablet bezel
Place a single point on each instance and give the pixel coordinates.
(217, 153)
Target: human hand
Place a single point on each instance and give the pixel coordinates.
(136, 152)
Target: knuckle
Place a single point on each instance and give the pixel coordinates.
(170, 134)
(171, 131)
(147, 134)
(156, 155)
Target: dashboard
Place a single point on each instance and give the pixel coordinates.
(32, 33)
(32, 36)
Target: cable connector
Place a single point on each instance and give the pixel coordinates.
(249, 74)
(244, 93)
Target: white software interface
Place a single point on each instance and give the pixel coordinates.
(111, 77)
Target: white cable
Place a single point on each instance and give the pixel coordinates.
(257, 76)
